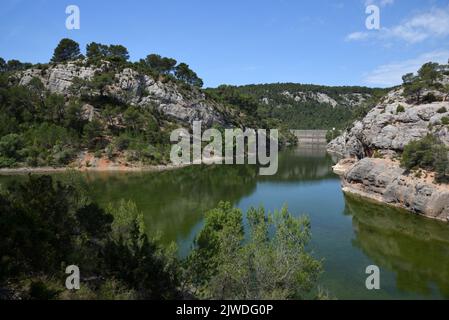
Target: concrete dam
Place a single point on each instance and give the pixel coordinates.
(310, 137)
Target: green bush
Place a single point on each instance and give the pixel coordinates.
(93, 134)
(442, 110)
(429, 98)
(400, 109)
(225, 264)
(10, 146)
(445, 120)
(428, 153)
(62, 155)
(7, 162)
(122, 142)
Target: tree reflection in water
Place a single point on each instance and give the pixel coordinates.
(415, 248)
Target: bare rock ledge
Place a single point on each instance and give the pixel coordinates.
(383, 180)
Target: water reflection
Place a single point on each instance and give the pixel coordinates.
(414, 248)
(413, 252)
(174, 201)
(303, 165)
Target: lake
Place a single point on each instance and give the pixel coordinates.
(349, 234)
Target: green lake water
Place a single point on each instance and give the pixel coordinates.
(348, 234)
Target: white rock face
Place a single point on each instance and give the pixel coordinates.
(59, 78)
(387, 128)
(132, 88)
(307, 96)
(384, 181)
(349, 100)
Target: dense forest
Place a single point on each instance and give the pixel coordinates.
(304, 106)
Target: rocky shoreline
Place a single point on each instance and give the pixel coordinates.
(371, 149)
(383, 180)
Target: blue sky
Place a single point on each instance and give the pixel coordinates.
(245, 41)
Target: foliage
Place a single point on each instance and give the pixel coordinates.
(271, 263)
(429, 153)
(46, 226)
(271, 101)
(160, 64)
(428, 77)
(414, 89)
(46, 129)
(429, 74)
(230, 95)
(245, 113)
(93, 134)
(101, 81)
(13, 65)
(97, 51)
(184, 73)
(400, 108)
(67, 50)
(442, 110)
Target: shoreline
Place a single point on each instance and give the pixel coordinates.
(51, 170)
(352, 192)
(106, 169)
(405, 190)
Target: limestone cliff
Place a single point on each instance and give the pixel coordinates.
(391, 125)
(132, 88)
(385, 181)
(372, 147)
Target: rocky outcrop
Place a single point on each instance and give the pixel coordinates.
(349, 100)
(371, 147)
(391, 125)
(132, 88)
(385, 181)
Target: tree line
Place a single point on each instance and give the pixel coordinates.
(154, 64)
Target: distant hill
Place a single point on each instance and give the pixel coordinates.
(305, 106)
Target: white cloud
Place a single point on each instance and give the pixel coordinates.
(423, 26)
(391, 74)
(357, 36)
(430, 24)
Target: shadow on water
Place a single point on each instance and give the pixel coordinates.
(416, 249)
